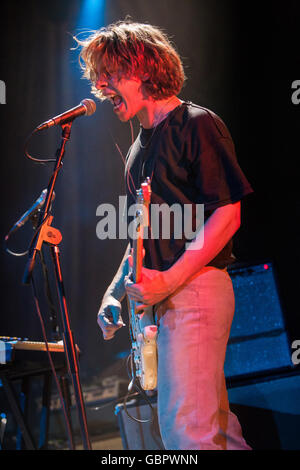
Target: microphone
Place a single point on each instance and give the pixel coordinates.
(31, 211)
(86, 107)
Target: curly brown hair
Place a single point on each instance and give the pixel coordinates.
(130, 48)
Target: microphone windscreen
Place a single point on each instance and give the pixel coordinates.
(90, 106)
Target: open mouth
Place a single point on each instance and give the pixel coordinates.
(116, 100)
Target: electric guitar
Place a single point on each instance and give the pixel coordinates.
(143, 332)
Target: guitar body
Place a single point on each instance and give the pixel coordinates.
(143, 346)
(143, 331)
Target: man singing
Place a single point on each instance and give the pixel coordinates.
(188, 154)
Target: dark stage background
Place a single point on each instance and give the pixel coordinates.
(240, 62)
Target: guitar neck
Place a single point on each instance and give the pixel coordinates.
(142, 221)
(137, 259)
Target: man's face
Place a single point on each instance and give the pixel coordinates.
(125, 93)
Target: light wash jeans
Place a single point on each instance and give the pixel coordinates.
(194, 325)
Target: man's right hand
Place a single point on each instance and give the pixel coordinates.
(109, 317)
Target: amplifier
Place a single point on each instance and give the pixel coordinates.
(258, 339)
(139, 430)
(268, 411)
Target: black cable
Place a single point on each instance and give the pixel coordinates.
(36, 160)
(53, 316)
(30, 244)
(115, 400)
(140, 392)
(10, 252)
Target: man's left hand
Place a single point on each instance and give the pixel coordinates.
(153, 288)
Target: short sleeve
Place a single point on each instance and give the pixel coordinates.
(218, 178)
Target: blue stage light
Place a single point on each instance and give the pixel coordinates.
(92, 14)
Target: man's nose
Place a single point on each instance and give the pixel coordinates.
(102, 82)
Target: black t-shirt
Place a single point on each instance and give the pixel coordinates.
(190, 159)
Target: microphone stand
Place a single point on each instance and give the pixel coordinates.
(52, 236)
(55, 335)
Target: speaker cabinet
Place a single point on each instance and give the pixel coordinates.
(258, 339)
(137, 435)
(268, 411)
